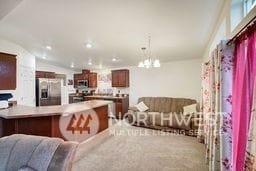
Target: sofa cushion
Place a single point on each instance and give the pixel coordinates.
(169, 120)
(155, 119)
(166, 104)
(20, 150)
(180, 121)
(141, 118)
(27, 152)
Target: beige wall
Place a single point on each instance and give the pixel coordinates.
(221, 31)
(174, 79)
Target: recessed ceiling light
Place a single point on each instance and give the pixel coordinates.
(72, 65)
(88, 45)
(90, 62)
(48, 47)
(114, 59)
(44, 57)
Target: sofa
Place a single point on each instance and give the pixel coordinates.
(165, 114)
(35, 153)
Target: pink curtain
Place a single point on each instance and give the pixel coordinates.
(243, 80)
(250, 162)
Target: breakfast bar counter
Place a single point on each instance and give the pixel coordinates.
(48, 120)
(121, 103)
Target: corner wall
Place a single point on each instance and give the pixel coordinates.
(25, 91)
(221, 32)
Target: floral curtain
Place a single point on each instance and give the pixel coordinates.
(250, 161)
(205, 101)
(216, 123)
(226, 68)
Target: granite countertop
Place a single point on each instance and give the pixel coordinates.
(20, 111)
(107, 97)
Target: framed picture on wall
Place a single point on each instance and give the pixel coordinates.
(70, 82)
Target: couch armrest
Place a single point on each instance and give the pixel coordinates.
(195, 121)
(63, 157)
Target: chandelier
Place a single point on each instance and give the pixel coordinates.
(149, 62)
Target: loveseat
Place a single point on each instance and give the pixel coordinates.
(165, 114)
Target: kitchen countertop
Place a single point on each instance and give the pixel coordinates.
(20, 111)
(107, 97)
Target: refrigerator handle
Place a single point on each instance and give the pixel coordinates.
(48, 87)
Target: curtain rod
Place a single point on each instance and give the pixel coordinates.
(242, 30)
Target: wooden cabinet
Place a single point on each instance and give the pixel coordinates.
(122, 106)
(120, 78)
(78, 77)
(85, 71)
(93, 80)
(91, 77)
(45, 74)
(40, 74)
(49, 75)
(119, 109)
(115, 79)
(7, 71)
(121, 103)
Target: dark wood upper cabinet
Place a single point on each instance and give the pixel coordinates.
(93, 80)
(85, 71)
(86, 75)
(45, 74)
(8, 73)
(78, 77)
(120, 78)
(115, 78)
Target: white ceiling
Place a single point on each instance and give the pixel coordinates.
(180, 29)
(6, 6)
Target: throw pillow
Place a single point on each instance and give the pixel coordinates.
(141, 107)
(190, 109)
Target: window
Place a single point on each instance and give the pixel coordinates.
(239, 10)
(248, 6)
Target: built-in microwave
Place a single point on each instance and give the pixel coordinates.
(82, 84)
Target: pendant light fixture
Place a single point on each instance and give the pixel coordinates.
(149, 62)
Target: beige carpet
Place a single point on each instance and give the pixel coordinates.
(144, 151)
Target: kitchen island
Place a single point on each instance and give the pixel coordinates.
(62, 121)
(121, 103)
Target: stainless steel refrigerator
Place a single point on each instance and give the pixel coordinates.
(48, 92)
